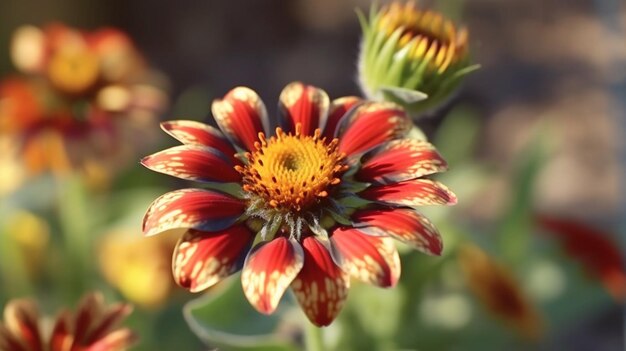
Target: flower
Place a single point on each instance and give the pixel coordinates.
(411, 56)
(596, 250)
(326, 194)
(28, 237)
(138, 268)
(498, 290)
(92, 327)
(80, 101)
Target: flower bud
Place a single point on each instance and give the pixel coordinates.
(411, 56)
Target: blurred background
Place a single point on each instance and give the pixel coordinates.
(534, 140)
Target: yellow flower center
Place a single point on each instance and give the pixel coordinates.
(74, 70)
(292, 172)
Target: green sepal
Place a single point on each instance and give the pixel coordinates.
(403, 96)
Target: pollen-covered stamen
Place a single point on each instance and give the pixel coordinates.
(292, 172)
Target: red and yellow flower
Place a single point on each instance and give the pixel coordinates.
(320, 200)
(595, 249)
(80, 101)
(93, 327)
(499, 292)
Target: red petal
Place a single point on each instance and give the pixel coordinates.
(192, 208)
(8, 341)
(61, 338)
(304, 104)
(88, 311)
(416, 192)
(594, 249)
(321, 287)
(338, 108)
(371, 259)
(193, 162)
(196, 133)
(110, 319)
(370, 125)
(402, 224)
(499, 291)
(268, 271)
(241, 115)
(400, 160)
(21, 319)
(201, 259)
(118, 340)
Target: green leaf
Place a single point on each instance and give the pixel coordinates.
(517, 223)
(225, 319)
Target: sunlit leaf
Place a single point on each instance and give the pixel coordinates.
(225, 319)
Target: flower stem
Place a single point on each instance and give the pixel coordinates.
(13, 273)
(75, 221)
(313, 338)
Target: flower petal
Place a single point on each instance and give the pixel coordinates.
(9, 342)
(370, 125)
(499, 291)
(304, 104)
(61, 337)
(268, 271)
(338, 108)
(88, 312)
(21, 320)
(192, 208)
(412, 193)
(196, 133)
(241, 115)
(109, 320)
(116, 341)
(371, 259)
(201, 259)
(321, 287)
(403, 224)
(595, 249)
(193, 162)
(400, 160)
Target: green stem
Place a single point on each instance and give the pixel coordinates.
(74, 218)
(15, 278)
(313, 338)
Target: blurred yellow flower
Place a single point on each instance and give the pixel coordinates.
(30, 236)
(496, 288)
(11, 172)
(140, 268)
